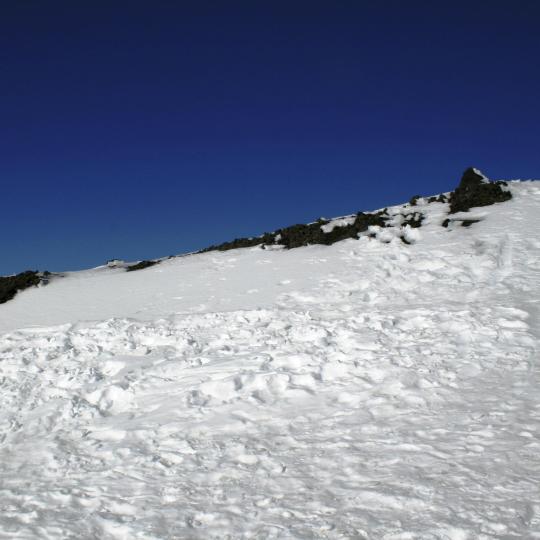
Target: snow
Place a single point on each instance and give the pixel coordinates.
(338, 222)
(368, 390)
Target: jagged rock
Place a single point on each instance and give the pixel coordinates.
(476, 190)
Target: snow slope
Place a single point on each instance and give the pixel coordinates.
(368, 390)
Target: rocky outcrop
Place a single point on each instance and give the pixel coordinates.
(476, 190)
(307, 234)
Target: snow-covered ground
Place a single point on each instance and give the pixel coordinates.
(366, 390)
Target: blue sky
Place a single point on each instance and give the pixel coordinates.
(142, 129)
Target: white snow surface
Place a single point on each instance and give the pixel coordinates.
(338, 222)
(365, 390)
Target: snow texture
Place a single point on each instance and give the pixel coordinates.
(339, 222)
(368, 390)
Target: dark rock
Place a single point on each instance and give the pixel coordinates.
(474, 191)
(10, 285)
(469, 222)
(445, 223)
(471, 178)
(266, 238)
(441, 198)
(414, 200)
(141, 265)
(303, 235)
(414, 220)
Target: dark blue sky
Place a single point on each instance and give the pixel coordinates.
(141, 129)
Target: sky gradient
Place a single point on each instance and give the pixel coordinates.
(141, 129)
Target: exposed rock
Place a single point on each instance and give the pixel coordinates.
(469, 222)
(266, 238)
(304, 235)
(414, 220)
(141, 265)
(10, 285)
(476, 190)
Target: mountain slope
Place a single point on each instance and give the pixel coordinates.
(474, 190)
(370, 389)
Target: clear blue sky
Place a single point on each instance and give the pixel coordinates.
(141, 129)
